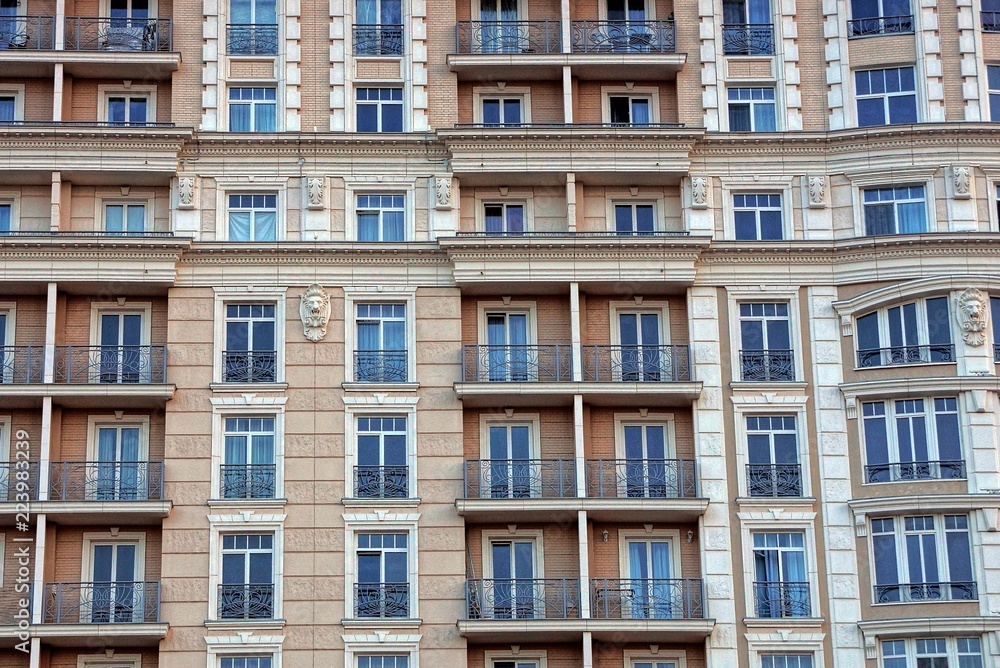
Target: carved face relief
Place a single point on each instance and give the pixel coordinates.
(314, 309)
(972, 313)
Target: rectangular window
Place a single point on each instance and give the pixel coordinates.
(8, 106)
(630, 110)
(994, 314)
(914, 333)
(6, 217)
(248, 459)
(993, 79)
(253, 110)
(378, 30)
(635, 219)
(932, 653)
(245, 662)
(773, 455)
(382, 471)
(646, 663)
(879, 17)
(384, 661)
(503, 219)
(381, 344)
(922, 559)
(382, 589)
(747, 28)
(912, 439)
(752, 110)
(781, 583)
(253, 217)
(247, 588)
(253, 28)
(127, 110)
(379, 109)
(757, 216)
(895, 210)
(766, 353)
(786, 661)
(381, 217)
(502, 110)
(119, 467)
(250, 355)
(886, 97)
(516, 663)
(125, 218)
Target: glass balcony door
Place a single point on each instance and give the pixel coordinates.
(500, 31)
(507, 338)
(650, 570)
(118, 465)
(510, 465)
(639, 334)
(115, 596)
(121, 347)
(646, 452)
(514, 583)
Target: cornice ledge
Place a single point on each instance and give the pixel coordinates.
(925, 502)
(899, 387)
(911, 626)
(474, 245)
(315, 252)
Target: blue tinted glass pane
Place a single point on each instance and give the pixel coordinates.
(367, 118)
(392, 118)
(871, 112)
(902, 109)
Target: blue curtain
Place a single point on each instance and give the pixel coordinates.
(5, 217)
(129, 484)
(136, 218)
(367, 12)
(265, 118)
(239, 226)
(107, 459)
(239, 117)
(264, 226)
(912, 218)
(640, 111)
(113, 218)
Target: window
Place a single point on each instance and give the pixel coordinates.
(512, 572)
(514, 663)
(118, 470)
(245, 662)
(125, 218)
(381, 340)
(507, 357)
(652, 663)
(378, 30)
(6, 217)
(886, 97)
(381, 217)
(502, 110)
(757, 216)
(253, 110)
(125, 355)
(918, 332)
(652, 591)
(995, 317)
(634, 219)
(253, 28)
(992, 77)
(503, 219)
(248, 470)
(253, 217)
(912, 439)
(781, 586)
(933, 653)
(247, 589)
(382, 471)
(630, 110)
(648, 469)
(380, 109)
(501, 32)
(773, 453)
(512, 470)
(250, 355)
(894, 210)
(786, 661)
(8, 105)
(382, 589)
(766, 353)
(752, 110)
(921, 559)
(127, 110)
(747, 28)
(879, 17)
(384, 661)
(117, 590)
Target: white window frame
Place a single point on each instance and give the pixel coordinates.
(279, 100)
(116, 661)
(796, 642)
(103, 202)
(278, 223)
(233, 295)
(10, 333)
(96, 422)
(631, 656)
(13, 200)
(244, 523)
(523, 197)
(794, 521)
(259, 186)
(391, 192)
(657, 204)
(918, 95)
(380, 522)
(950, 642)
(781, 208)
(651, 93)
(779, 104)
(891, 178)
(923, 333)
(243, 645)
(490, 657)
(480, 93)
(240, 406)
(384, 643)
(131, 538)
(106, 8)
(666, 420)
(536, 536)
(16, 91)
(381, 319)
(928, 204)
(361, 406)
(97, 309)
(767, 295)
(528, 308)
(362, 186)
(760, 405)
(532, 420)
(505, 204)
(671, 535)
(106, 91)
(380, 84)
(617, 308)
(3, 536)
(778, 185)
(384, 294)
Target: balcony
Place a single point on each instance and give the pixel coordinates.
(774, 480)
(522, 489)
(767, 366)
(18, 484)
(247, 481)
(114, 365)
(249, 366)
(914, 471)
(82, 492)
(647, 599)
(879, 25)
(252, 39)
(378, 40)
(494, 373)
(991, 21)
(937, 353)
(381, 482)
(246, 601)
(654, 489)
(74, 613)
(748, 39)
(778, 600)
(381, 600)
(508, 37)
(20, 365)
(498, 607)
(636, 364)
(129, 35)
(926, 592)
(31, 33)
(380, 366)
(629, 37)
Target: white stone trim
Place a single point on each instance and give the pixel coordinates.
(246, 521)
(380, 521)
(533, 420)
(539, 655)
(240, 185)
(524, 197)
(744, 294)
(145, 310)
(785, 642)
(383, 642)
(919, 176)
(537, 536)
(110, 659)
(248, 405)
(632, 655)
(95, 422)
(771, 404)
(104, 197)
(104, 91)
(17, 90)
(777, 521)
(531, 308)
(673, 536)
(355, 407)
(387, 185)
(770, 184)
(380, 294)
(242, 295)
(650, 92)
(523, 92)
(787, 92)
(137, 538)
(243, 642)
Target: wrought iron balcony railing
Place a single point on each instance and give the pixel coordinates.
(106, 481)
(773, 600)
(103, 33)
(921, 592)
(101, 602)
(381, 600)
(637, 364)
(494, 598)
(880, 25)
(928, 354)
(111, 364)
(36, 33)
(647, 598)
(19, 481)
(520, 478)
(509, 37)
(246, 601)
(380, 366)
(252, 39)
(517, 364)
(381, 482)
(776, 480)
(904, 471)
(991, 21)
(748, 39)
(21, 364)
(642, 478)
(761, 366)
(247, 481)
(378, 40)
(249, 366)
(624, 37)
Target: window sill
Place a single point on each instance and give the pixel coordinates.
(244, 504)
(248, 387)
(794, 622)
(382, 623)
(379, 387)
(356, 502)
(754, 385)
(245, 624)
(768, 502)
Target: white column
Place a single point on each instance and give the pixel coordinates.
(710, 55)
(338, 67)
(58, 79)
(790, 66)
(60, 27)
(584, 547)
(576, 334)
(834, 30)
(581, 473)
(567, 94)
(417, 58)
(929, 54)
(214, 33)
(48, 370)
(588, 649)
(292, 75)
(571, 201)
(55, 209)
(969, 45)
(565, 26)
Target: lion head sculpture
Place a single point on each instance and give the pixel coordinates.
(314, 309)
(972, 315)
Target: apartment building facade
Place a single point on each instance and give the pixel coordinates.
(395, 334)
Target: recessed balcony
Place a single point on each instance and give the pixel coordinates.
(93, 492)
(21, 365)
(654, 489)
(748, 39)
(378, 40)
(656, 375)
(18, 484)
(646, 609)
(126, 612)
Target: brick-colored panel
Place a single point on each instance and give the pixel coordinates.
(599, 433)
(555, 427)
(378, 69)
(605, 559)
(67, 555)
(559, 545)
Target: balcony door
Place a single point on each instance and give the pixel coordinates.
(118, 466)
(116, 595)
(626, 11)
(120, 356)
(500, 32)
(639, 333)
(649, 593)
(382, 458)
(511, 468)
(514, 569)
(646, 472)
(10, 35)
(507, 340)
